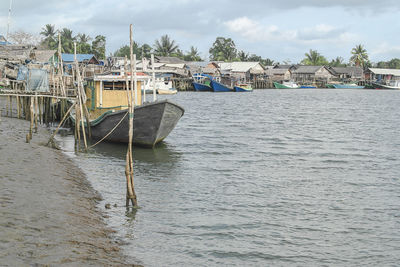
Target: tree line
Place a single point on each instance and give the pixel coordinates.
(223, 49)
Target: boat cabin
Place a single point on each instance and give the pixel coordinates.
(109, 92)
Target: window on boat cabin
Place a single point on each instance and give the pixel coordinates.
(119, 85)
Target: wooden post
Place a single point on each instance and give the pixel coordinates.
(130, 192)
(29, 135)
(154, 77)
(35, 108)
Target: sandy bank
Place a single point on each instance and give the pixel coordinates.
(48, 209)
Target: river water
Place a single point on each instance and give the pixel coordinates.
(272, 177)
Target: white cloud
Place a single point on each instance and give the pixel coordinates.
(255, 32)
(385, 51)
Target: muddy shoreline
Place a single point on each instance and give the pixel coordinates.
(48, 209)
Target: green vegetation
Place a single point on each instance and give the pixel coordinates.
(392, 64)
(360, 56)
(165, 46)
(314, 58)
(223, 49)
(50, 41)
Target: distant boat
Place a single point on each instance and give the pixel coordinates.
(202, 87)
(346, 86)
(243, 88)
(391, 85)
(170, 91)
(286, 85)
(202, 82)
(307, 87)
(219, 87)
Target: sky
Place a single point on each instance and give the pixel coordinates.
(282, 30)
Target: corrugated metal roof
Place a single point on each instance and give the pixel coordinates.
(353, 71)
(394, 72)
(238, 66)
(79, 57)
(307, 69)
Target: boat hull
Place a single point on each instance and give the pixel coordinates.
(347, 86)
(282, 86)
(201, 87)
(219, 87)
(152, 123)
(242, 89)
(383, 86)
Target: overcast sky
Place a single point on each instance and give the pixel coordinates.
(282, 30)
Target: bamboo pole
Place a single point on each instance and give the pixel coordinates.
(131, 195)
(60, 125)
(80, 99)
(18, 107)
(29, 135)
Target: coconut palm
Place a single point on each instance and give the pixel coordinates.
(49, 36)
(67, 41)
(359, 56)
(192, 55)
(165, 46)
(243, 56)
(314, 58)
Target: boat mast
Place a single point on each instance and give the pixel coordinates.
(9, 19)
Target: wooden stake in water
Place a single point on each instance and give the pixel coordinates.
(130, 192)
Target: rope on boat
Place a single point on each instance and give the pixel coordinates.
(112, 130)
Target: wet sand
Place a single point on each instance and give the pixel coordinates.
(48, 213)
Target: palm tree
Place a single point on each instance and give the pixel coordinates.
(360, 56)
(314, 58)
(192, 55)
(165, 46)
(49, 33)
(67, 41)
(243, 56)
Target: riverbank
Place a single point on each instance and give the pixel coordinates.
(48, 211)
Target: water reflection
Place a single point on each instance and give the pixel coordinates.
(160, 154)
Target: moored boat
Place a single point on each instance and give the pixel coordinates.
(286, 85)
(170, 91)
(219, 87)
(390, 85)
(107, 103)
(346, 86)
(201, 87)
(202, 82)
(243, 88)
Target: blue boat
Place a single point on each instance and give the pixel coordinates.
(347, 86)
(200, 87)
(219, 87)
(201, 82)
(243, 88)
(307, 87)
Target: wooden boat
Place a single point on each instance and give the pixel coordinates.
(219, 87)
(107, 103)
(243, 88)
(346, 86)
(199, 87)
(286, 85)
(170, 91)
(391, 85)
(202, 82)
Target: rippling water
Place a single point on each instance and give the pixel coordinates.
(273, 177)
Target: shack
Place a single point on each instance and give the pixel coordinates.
(311, 74)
